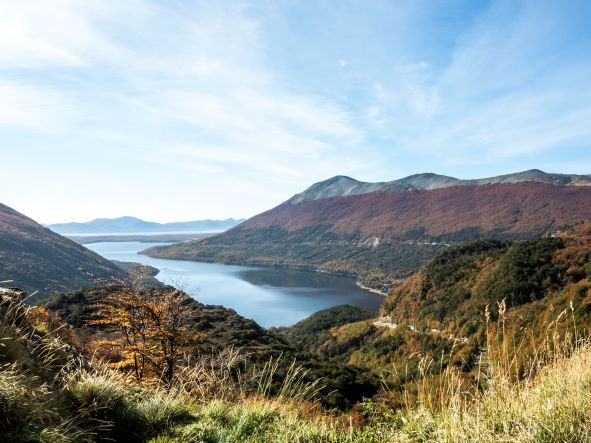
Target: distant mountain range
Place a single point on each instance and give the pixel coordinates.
(391, 228)
(125, 225)
(37, 259)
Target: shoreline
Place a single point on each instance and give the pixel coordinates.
(367, 288)
(142, 238)
(303, 268)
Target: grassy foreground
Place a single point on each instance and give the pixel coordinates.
(49, 393)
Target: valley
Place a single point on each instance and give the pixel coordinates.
(385, 296)
(295, 221)
(271, 297)
(382, 232)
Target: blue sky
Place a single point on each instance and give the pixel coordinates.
(178, 110)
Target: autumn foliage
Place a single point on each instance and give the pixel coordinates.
(150, 332)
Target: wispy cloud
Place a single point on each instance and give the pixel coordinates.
(37, 33)
(198, 81)
(210, 102)
(30, 106)
(510, 88)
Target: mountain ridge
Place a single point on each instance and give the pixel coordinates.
(390, 234)
(127, 224)
(37, 259)
(341, 185)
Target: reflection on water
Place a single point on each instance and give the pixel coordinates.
(287, 278)
(270, 296)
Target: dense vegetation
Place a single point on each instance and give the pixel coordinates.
(49, 392)
(315, 248)
(312, 331)
(223, 328)
(451, 292)
(441, 312)
(526, 273)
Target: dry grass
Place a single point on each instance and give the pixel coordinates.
(546, 400)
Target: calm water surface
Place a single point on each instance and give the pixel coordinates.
(271, 297)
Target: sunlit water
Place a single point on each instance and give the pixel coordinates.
(271, 297)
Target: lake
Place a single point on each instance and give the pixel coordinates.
(270, 296)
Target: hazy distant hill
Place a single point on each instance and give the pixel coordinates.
(38, 259)
(344, 225)
(135, 225)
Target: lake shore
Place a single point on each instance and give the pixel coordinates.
(270, 296)
(367, 288)
(142, 238)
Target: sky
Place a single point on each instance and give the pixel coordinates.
(181, 110)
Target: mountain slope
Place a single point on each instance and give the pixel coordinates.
(37, 259)
(342, 225)
(136, 225)
(52, 391)
(224, 329)
(442, 307)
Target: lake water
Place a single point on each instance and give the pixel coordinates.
(270, 296)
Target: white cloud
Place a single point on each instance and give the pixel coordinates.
(32, 107)
(206, 71)
(37, 33)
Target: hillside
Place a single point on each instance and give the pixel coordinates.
(50, 391)
(342, 225)
(224, 329)
(123, 225)
(37, 259)
(314, 330)
(441, 310)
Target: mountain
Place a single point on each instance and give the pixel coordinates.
(135, 225)
(342, 186)
(37, 259)
(523, 285)
(453, 370)
(391, 228)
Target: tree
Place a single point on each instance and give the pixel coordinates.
(151, 329)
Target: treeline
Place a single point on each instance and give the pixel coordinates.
(315, 248)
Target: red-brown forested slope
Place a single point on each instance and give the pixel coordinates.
(518, 208)
(389, 233)
(37, 259)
